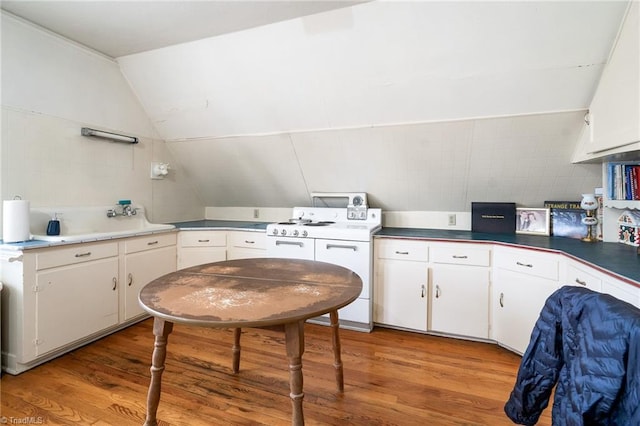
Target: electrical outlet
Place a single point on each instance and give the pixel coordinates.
(256, 213)
(452, 219)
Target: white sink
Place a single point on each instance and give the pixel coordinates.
(90, 224)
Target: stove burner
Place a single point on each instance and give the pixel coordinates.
(321, 223)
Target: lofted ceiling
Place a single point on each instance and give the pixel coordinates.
(117, 28)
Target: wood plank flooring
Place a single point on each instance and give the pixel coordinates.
(391, 378)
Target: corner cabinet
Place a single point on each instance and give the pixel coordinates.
(459, 289)
(401, 283)
(198, 247)
(246, 244)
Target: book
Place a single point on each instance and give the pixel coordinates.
(623, 181)
(566, 219)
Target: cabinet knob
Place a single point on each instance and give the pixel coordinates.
(424, 290)
(437, 292)
(129, 279)
(502, 300)
(115, 283)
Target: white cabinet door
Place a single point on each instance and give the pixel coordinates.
(356, 256)
(623, 291)
(460, 300)
(517, 300)
(401, 293)
(76, 301)
(615, 110)
(246, 245)
(200, 247)
(140, 269)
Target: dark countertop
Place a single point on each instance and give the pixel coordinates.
(620, 259)
(204, 224)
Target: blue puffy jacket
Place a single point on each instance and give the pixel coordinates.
(589, 344)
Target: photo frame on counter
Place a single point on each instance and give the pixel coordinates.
(533, 221)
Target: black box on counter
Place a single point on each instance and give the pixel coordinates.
(493, 218)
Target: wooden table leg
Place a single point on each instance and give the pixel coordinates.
(335, 340)
(294, 336)
(236, 349)
(161, 331)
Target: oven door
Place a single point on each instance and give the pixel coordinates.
(291, 248)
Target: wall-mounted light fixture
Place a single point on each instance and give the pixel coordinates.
(108, 135)
(159, 170)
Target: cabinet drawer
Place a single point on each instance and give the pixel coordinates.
(529, 262)
(256, 240)
(149, 242)
(461, 255)
(203, 239)
(578, 277)
(402, 250)
(76, 254)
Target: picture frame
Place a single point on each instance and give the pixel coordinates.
(533, 221)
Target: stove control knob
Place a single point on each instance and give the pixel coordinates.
(305, 233)
(283, 232)
(275, 231)
(295, 233)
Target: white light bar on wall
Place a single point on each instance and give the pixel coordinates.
(107, 135)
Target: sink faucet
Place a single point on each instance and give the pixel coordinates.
(126, 210)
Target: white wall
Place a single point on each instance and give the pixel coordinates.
(50, 89)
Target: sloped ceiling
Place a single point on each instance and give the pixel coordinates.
(379, 63)
(117, 28)
(385, 97)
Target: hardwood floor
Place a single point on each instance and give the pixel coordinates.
(391, 378)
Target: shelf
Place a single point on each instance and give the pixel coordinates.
(622, 204)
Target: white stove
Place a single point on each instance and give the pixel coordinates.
(330, 223)
(338, 235)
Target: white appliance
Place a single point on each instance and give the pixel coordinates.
(338, 229)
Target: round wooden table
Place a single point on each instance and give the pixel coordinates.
(264, 292)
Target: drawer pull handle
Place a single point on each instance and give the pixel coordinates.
(249, 242)
(502, 300)
(115, 283)
(129, 279)
(203, 241)
(402, 252)
(526, 265)
(424, 290)
(83, 254)
(341, 246)
(581, 282)
(437, 292)
(152, 243)
(289, 243)
(459, 257)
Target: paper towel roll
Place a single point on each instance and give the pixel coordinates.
(15, 221)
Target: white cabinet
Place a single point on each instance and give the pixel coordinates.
(614, 113)
(459, 290)
(246, 244)
(145, 259)
(522, 282)
(76, 295)
(356, 256)
(58, 298)
(582, 276)
(400, 284)
(199, 247)
(622, 291)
